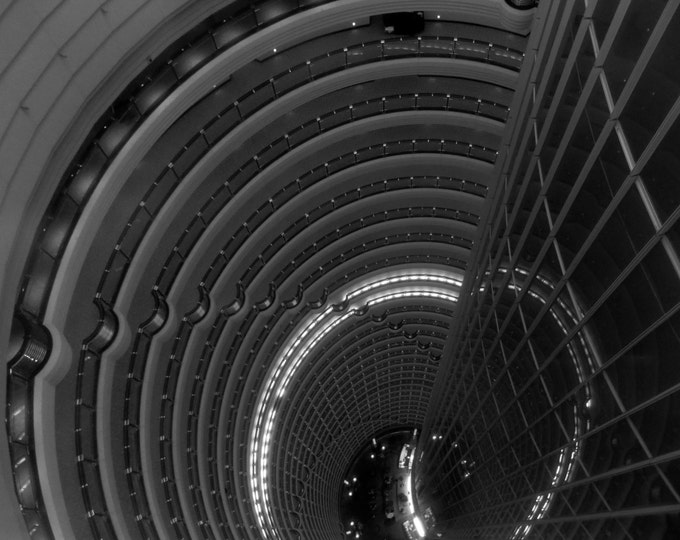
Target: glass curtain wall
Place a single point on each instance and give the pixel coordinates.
(559, 415)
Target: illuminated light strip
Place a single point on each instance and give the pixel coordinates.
(413, 284)
(565, 466)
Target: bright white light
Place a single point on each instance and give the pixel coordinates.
(409, 496)
(420, 528)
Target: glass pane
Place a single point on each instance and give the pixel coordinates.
(660, 174)
(635, 298)
(631, 38)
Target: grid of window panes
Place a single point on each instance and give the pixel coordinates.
(563, 395)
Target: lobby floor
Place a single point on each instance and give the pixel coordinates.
(376, 491)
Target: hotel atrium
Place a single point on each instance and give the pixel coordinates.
(246, 244)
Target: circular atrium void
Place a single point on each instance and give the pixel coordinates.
(376, 299)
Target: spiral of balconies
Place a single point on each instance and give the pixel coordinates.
(249, 236)
(262, 164)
